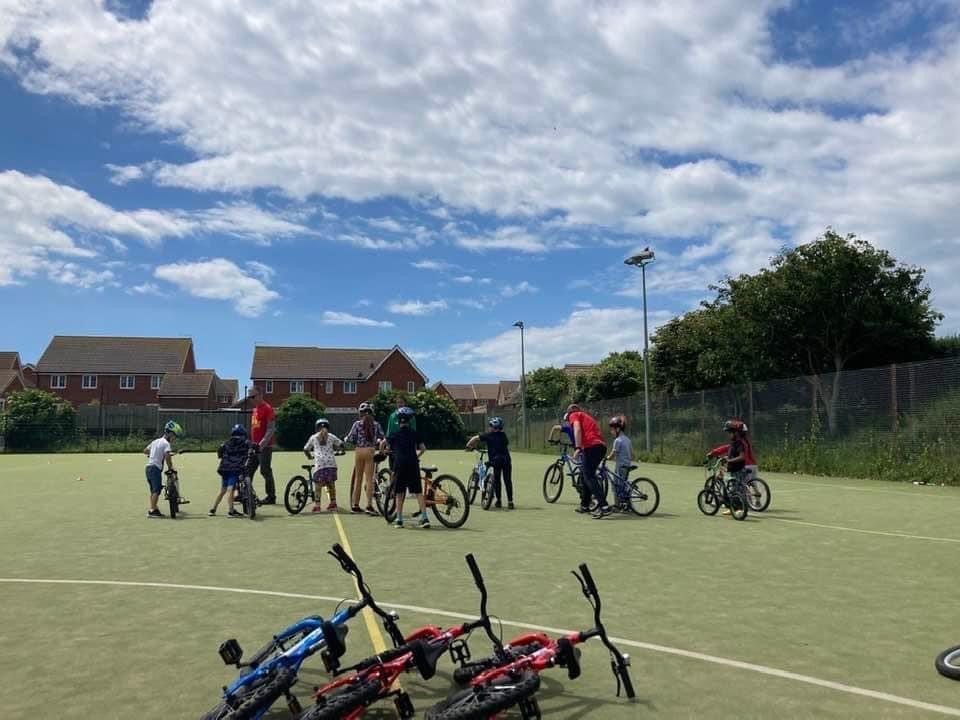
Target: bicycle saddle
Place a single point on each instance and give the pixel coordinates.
(634, 467)
(428, 468)
(307, 467)
(426, 656)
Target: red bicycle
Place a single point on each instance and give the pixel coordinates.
(496, 685)
(373, 679)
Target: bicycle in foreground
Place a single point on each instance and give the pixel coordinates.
(566, 466)
(481, 480)
(445, 496)
(300, 489)
(243, 491)
(373, 679)
(273, 670)
(171, 491)
(505, 680)
(948, 663)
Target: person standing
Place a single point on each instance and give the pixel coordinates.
(158, 453)
(263, 426)
(590, 450)
(406, 448)
(498, 449)
(365, 436)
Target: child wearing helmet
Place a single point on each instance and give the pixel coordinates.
(622, 452)
(321, 447)
(739, 429)
(233, 458)
(158, 452)
(498, 449)
(365, 434)
(405, 447)
(563, 432)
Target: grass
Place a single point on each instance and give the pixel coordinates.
(866, 610)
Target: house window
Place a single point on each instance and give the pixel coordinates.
(128, 382)
(385, 386)
(328, 387)
(296, 386)
(268, 387)
(411, 386)
(58, 382)
(350, 387)
(89, 382)
(155, 381)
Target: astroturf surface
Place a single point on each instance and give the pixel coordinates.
(799, 589)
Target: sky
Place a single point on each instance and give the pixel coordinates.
(425, 174)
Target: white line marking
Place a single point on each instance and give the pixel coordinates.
(762, 669)
(865, 532)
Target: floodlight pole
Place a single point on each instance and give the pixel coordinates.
(523, 388)
(643, 259)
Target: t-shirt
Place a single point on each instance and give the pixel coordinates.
(233, 456)
(568, 431)
(736, 448)
(158, 450)
(622, 451)
(403, 447)
(263, 415)
(721, 451)
(323, 456)
(358, 436)
(393, 423)
(590, 434)
(497, 444)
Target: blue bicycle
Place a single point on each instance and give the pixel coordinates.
(567, 465)
(641, 496)
(273, 670)
(481, 480)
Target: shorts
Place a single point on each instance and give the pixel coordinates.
(406, 479)
(325, 476)
(228, 481)
(154, 479)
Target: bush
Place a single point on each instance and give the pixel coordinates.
(38, 420)
(438, 420)
(296, 420)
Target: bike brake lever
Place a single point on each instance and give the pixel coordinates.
(583, 585)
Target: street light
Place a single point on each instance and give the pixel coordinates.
(523, 387)
(641, 260)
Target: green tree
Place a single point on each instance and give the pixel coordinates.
(37, 420)
(547, 387)
(620, 374)
(296, 420)
(438, 420)
(385, 403)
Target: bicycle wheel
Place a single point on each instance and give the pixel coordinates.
(488, 493)
(220, 712)
(173, 497)
(479, 703)
(249, 499)
(553, 483)
(390, 504)
(263, 696)
(738, 506)
(708, 502)
(381, 485)
(296, 495)
(948, 663)
(464, 674)
(758, 495)
(644, 496)
(450, 503)
(343, 701)
(473, 485)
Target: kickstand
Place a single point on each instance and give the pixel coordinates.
(529, 709)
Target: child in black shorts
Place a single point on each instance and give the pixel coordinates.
(405, 450)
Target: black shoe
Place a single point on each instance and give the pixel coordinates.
(603, 512)
(581, 509)
(497, 504)
(269, 500)
(155, 514)
(510, 505)
(234, 513)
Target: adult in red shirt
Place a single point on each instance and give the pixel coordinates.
(263, 425)
(590, 449)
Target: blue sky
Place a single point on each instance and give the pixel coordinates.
(361, 176)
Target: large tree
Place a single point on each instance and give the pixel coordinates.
(620, 374)
(547, 387)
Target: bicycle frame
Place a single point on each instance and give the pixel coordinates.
(481, 469)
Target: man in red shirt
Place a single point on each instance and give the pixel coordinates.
(263, 425)
(590, 449)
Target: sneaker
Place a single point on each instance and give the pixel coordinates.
(510, 505)
(213, 511)
(356, 510)
(269, 500)
(371, 511)
(331, 507)
(581, 509)
(398, 523)
(155, 514)
(725, 511)
(234, 513)
(603, 512)
(317, 508)
(497, 504)
(424, 522)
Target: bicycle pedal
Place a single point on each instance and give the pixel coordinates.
(529, 709)
(404, 705)
(459, 652)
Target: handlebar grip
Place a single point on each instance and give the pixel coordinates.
(475, 570)
(627, 683)
(343, 558)
(588, 580)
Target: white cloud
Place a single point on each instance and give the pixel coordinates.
(416, 307)
(261, 270)
(520, 289)
(431, 265)
(220, 279)
(147, 288)
(465, 279)
(485, 281)
(123, 174)
(331, 317)
(509, 238)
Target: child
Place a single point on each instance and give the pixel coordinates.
(233, 458)
(365, 435)
(159, 452)
(405, 448)
(562, 432)
(321, 447)
(622, 452)
(750, 467)
(499, 452)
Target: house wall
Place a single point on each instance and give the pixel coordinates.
(189, 403)
(108, 390)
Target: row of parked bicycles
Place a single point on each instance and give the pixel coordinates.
(509, 677)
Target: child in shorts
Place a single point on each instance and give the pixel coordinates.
(321, 448)
(158, 452)
(233, 456)
(405, 448)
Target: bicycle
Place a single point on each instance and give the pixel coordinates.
(243, 492)
(373, 679)
(273, 670)
(729, 491)
(641, 496)
(444, 494)
(171, 491)
(481, 480)
(757, 491)
(300, 489)
(565, 464)
(495, 685)
(948, 663)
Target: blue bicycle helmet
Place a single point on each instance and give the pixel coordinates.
(238, 431)
(405, 413)
(496, 423)
(173, 426)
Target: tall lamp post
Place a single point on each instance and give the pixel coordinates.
(523, 387)
(641, 260)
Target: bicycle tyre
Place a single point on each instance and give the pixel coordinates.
(343, 701)
(263, 696)
(644, 497)
(381, 486)
(456, 498)
(948, 663)
(739, 509)
(249, 499)
(473, 486)
(708, 502)
(479, 703)
(464, 674)
(220, 712)
(173, 499)
(553, 483)
(760, 500)
(488, 494)
(296, 495)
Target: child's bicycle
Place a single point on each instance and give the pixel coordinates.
(948, 663)
(641, 496)
(445, 495)
(565, 465)
(171, 491)
(727, 490)
(481, 480)
(243, 492)
(300, 489)
(757, 490)
(373, 679)
(273, 670)
(497, 684)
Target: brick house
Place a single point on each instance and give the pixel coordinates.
(112, 370)
(508, 393)
(189, 391)
(470, 398)
(228, 391)
(11, 376)
(339, 378)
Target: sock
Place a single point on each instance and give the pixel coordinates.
(400, 517)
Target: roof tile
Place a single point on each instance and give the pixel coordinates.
(114, 355)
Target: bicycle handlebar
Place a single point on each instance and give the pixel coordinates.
(350, 566)
(484, 620)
